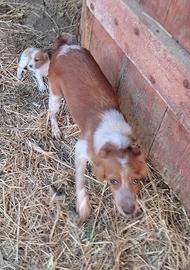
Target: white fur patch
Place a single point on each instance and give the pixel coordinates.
(83, 205)
(112, 129)
(24, 60)
(82, 198)
(54, 104)
(32, 61)
(81, 149)
(123, 161)
(81, 156)
(66, 48)
(31, 50)
(43, 70)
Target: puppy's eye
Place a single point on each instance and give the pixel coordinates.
(36, 59)
(114, 182)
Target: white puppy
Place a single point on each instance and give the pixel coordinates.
(37, 61)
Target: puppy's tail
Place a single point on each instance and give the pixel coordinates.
(61, 40)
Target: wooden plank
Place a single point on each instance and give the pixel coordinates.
(168, 150)
(107, 54)
(173, 15)
(142, 106)
(178, 21)
(86, 25)
(170, 153)
(185, 179)
(157, 9)
(170, 77)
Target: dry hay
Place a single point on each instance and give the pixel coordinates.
(38, 228)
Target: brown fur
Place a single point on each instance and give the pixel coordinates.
(77, 77)
(41, 58)
(61, 40)
(78, 86)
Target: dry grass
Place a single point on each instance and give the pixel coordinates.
(38, 228)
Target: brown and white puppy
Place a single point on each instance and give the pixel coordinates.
(105, 134)
(36, 61)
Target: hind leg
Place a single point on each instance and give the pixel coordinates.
(54, 105)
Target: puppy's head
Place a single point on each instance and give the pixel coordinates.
(123, 169)
(38, 58)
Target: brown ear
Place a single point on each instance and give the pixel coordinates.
(140, 165)
(107, 150)
(142, 157)
(46, 56)
(138, 160)
(99, 170)
(135, 150)
(143, 166)
(139, 156)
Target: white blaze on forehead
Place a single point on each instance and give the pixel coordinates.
(112, 129)
(66, 48)
(34, 52)
(123, 161)
(26, 56)
(124, 176)
(30, 51)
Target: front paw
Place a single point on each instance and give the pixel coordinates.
(56, 133)
(42, 88)
(83, 208)
(19, 76)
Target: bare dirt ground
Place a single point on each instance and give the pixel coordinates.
(38, 228)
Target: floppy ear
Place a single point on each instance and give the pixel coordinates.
(141, 164)
(46, 56)
(107, 150)
(138, 161)
(142, 158)
(99, 170)
(135, 150)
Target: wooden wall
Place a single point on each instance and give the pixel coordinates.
(174, 15)
(151, 73)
